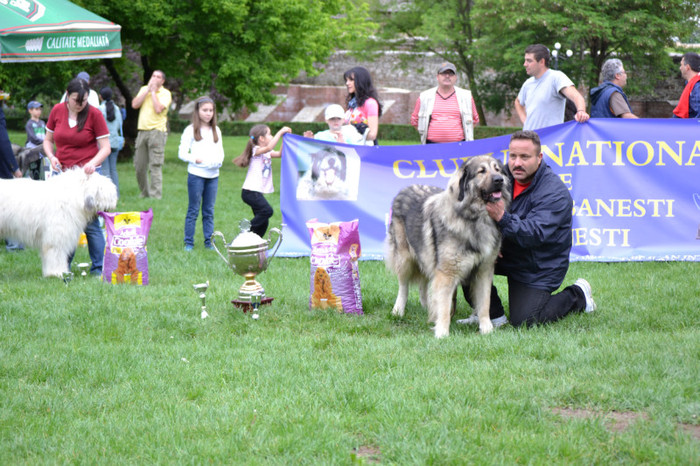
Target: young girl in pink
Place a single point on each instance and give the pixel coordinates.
(257, 156)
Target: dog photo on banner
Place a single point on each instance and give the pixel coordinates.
(328, 173)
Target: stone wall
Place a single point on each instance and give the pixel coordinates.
(306, 97)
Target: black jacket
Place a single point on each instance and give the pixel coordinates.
(8, 163)
(537, 232)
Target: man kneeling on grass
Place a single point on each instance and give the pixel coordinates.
(536, 242)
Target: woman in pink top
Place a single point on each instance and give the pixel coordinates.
(363, 104)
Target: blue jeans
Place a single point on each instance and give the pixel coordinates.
(96, 246)
(109, 168)
(12, 245)
(201, 191)
(96, 243)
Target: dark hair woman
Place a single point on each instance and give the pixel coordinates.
(79, 134)
(113, 116)
(363, 106)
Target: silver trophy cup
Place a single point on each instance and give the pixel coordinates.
(247, 255)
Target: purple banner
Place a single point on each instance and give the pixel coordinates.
(635, 185)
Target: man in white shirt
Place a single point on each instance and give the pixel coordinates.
(542, 98)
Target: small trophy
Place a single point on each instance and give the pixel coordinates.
(67, 277)
(84, 267)
(201, 288)
(255, 300)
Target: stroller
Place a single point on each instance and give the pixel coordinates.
(32, 162)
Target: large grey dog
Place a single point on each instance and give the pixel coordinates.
(441, 238)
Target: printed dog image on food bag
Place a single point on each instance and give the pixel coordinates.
(335, 277)
(126, 256)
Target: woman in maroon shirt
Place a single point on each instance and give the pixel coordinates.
(81, 139)
(78, 130)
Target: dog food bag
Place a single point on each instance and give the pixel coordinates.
(126, 255)
(335, 277)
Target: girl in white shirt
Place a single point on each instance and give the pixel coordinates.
(201, 146)
(257, 156)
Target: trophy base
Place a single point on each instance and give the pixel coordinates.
(245, 306)
(249, 288)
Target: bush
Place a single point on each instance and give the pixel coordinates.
(16, 118)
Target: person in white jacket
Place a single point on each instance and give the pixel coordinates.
(337, 131)
(201, 146)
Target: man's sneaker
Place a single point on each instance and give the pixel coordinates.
(474, 320)
(499, 321)
(587, 292)
(188, 247)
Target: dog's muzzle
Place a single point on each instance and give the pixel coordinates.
(495, 193)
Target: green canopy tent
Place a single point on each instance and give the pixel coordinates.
(54, 30)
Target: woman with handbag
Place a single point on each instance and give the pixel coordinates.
(113, 117)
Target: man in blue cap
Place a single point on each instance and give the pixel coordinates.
(93, 98)
(35, 127)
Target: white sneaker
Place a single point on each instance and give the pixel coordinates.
(499, 321)
(474, 320)
(588, 293)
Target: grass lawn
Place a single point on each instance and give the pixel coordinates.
(93, 373)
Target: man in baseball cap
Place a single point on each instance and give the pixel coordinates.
(445, 113)
(93, 98)
(447, 66)
(35, 127)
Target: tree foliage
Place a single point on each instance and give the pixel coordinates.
(237, 50)
(486, 38)
(445, 28)
(637, 31)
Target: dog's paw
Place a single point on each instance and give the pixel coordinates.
(397, 311)
(441, 332)
(486, 327)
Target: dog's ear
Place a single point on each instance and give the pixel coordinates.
(467, 175)
(344, 166)
(315, 161)
(89, 191)
(89, 203)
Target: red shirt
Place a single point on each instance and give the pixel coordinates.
(519, 188)
(446, 120)
(75, 147)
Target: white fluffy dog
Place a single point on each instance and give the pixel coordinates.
(50, 215)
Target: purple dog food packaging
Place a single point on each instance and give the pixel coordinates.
(126, 255)
(335, 277)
